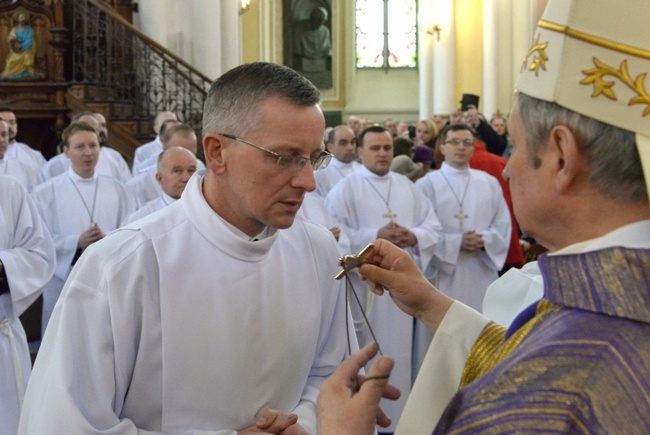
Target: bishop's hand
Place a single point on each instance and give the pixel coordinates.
(390, 268)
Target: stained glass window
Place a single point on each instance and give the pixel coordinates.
(386, 32)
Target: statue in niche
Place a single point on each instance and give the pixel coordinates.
(19, 64)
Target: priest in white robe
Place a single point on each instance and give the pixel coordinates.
(110, 163)
(12, 167)
(475, 220)
(144, 151)
(26, 264)
(79, 207)
(175, 167)
(313, 209)
(342, 143)
(144, 186)
(19, 150)
(219, 307)
(376, 203)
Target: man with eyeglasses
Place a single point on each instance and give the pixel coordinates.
(377, 203)
(218, 313)
(476, 223)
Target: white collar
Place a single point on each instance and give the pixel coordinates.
(78, 178)
(634, 236)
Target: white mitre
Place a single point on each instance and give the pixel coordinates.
(592, 57)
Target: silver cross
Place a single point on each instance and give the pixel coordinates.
(349, 262)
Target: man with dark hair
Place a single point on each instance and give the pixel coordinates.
(18, 150)
(218, 313)
(578, 360)
(342, 143)
(376, 203)
(475, 220)
(26, 175)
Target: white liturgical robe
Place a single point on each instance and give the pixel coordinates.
(152, 206)
(464, 275)
(144, 151)
(27, 255)
(26, 154)
(332, 174)
(69, 205)
(358, 204)
(26, 175)
(313, 209)
(178, 325)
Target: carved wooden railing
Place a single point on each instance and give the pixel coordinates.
(112, 55)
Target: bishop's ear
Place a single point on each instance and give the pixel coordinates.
(566, 151)
(213, 150)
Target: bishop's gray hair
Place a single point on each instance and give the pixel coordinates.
(611, 153)
(232, 104)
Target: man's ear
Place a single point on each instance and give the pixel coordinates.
(158, 177)
(567, 160)
(213, 149)
(328, 147)
(65, 149)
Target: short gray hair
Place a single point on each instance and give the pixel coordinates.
(611, 153)
(232, 104)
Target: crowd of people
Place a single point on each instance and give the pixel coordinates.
(189, 296)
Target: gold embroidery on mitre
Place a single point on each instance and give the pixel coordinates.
(596, 76)
(538, 51)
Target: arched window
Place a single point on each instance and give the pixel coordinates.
(386, 33)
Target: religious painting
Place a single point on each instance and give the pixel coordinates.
(24, 47)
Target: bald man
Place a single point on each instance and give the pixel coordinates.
(175, 167)
(144, 185)
(155, 147)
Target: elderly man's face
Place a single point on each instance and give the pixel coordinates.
(267, 194)
(177, 167)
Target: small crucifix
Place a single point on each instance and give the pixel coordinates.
(461, 217)
(390, 215)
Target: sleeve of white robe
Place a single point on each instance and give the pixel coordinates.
(341, 207)
(28, 255)
(496, 238)
(65, 244)
(447, 249)
(427, 231)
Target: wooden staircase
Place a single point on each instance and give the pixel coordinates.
(91, 58)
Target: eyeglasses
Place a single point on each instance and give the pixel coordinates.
(290, 163)
(466, 142)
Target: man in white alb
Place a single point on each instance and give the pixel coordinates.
(218, 313)
(19, 150)
(475, 221)
(175, 168)
(26, 264)
(26, 175)
(79, 206)
(155, 147)
(110, 163)
(342, 143)
(377, 203)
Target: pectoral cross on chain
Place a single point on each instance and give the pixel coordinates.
(390, 215)
(461, 217)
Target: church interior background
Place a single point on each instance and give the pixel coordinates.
(463, 46)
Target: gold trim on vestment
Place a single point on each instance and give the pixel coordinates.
(595, 40)
(490, 348)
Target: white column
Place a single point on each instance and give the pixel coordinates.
(444, 58)
(491, 79)
(425, 57)
(229, 29)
